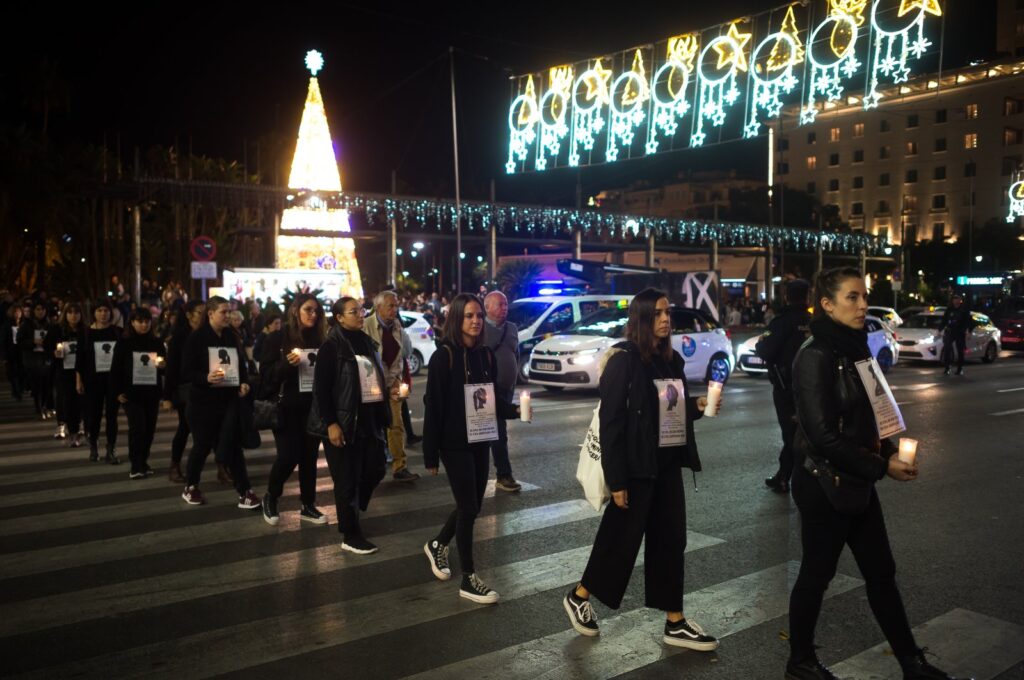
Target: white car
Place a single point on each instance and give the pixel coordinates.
(422, 336)
(887, 315)
(919, 338)
(881, 341)
(572, 359)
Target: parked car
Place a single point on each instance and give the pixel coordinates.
(887, 315)
(919, 338)
(1009, 319)
(572, 359)
(422, 336)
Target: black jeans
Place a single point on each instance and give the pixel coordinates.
(949, 339)
(657, 511)
(99, 395)
(356, 469)
(40, 377)
(467, 474)
(785, 411)
(15, 375)
(294, 447)
(214, 425)
(180, 435)
(69, 401)
(142, 414)
(823, 534)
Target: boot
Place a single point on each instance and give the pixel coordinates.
(174, 473)
(777, 483)
(809, 669)
(916, 667)
(94, 453)
(224, 475)
(111, 457)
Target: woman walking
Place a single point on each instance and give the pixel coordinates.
(176, 390)
(838, 434)
(351, 417)
(460, 420)
(63, 343)
(213, 364)
(135, 377)
(289, 358)
(38, 362)
(12, 352)
(95, 356)
(647, 436)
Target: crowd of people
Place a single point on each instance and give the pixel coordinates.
(339, 379)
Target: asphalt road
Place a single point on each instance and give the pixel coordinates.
(102, 576)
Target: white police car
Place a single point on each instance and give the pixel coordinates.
(422, 336)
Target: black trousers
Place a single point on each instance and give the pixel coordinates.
(180, 435)
(214, 425)
(948, 341)
(657, 511)
(69, 401)
(99, 396)
(824, 533)
(40, 376)
(467, 474)
(785, 411)
(16, 376)
(142, 414)
(294, 447)
(356, 469)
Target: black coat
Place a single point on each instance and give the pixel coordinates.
(173, 381)
(956, 320)
(337, 396)
(60, 333)
(629, 418)
(34, 356)
(86, 364)
(121, 372)
(196, 365)
(780, 343)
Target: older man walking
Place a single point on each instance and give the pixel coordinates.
(385, 329)
(502, 337)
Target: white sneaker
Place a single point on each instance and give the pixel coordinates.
(475, 590)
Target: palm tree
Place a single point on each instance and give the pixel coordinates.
(515, 276)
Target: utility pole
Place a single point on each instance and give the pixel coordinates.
(458, 196)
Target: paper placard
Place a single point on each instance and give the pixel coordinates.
(14, 334)
(70, 355)
(104, 354)
(307, 362)
(40, 336)
(369, 381)
(671, 412)
(226, 359)
(888, 418)
(144, 368)
(481, 413)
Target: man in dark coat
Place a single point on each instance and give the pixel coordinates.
(956, 324)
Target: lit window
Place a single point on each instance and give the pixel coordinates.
(858, 129)
(911, 148)
(971, 111)
(812, 162)
(833, 135)
(971, 140)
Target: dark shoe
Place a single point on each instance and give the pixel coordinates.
(475, 590)
(174, 473)
(192, 495)
(581, 614)
(916, 667)
(269, 505)
(960, 371)
(148, 471)
(437, 553)
(688, 634)
(413, 440)
(223, 474)
(136, 474)
(809, 669)
(309, 513)
(777, 483)
(946, 371)
(508, 484)
(404, 475)
(358, 545)
(94, 452)
(112, 458)
(249, 501)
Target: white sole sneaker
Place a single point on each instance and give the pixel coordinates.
(441, 576)
(190, 501)
(690, 644)
(314, 520)
(490, 598)
(582, 630)
(358, 551)
(272, 520)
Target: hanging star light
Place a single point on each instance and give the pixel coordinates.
(894, 46)
(523, 115)
(830, 62)
(554, 107)
(1016, 199)
(626, 111)
(668, 89)
(716, 92)
(587, 118)
(767, 91)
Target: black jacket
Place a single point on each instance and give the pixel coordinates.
(86, 364)
(173, 372)
(957, 321)
(444, 420)
(275, 371)
(121, 372)
(780, 343)
(835, 418)
(34, 355)
(196, 365)
(629, 417)
(337, 396)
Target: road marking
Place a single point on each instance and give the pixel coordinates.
(1008, 413)
(1012, 389)
(962, 642)
(917, 387)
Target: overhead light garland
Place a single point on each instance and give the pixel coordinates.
(768, 89)
(669, 88)
(626, 106)
(522, 125)
(554, 108)
(897, 43)
(587, 120)
(718, 91)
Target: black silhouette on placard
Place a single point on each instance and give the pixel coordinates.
(479, 398)
(144, 359)
(71, 348)
(312, 359)
(879, 390)
(672, 394)
(106, 347)
(224, 357)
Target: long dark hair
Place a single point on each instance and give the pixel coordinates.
(63, 320)
(293, 330)
(181, 316)
(456, 315)
(828, 283)
(640, 325)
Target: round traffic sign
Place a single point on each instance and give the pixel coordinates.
(203, 248)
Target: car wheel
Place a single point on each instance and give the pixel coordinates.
(415, 362)
(524, 375)
(884, 359)
(990, 353)
(718, 368)
(553, 388)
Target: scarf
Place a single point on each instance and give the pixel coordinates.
(845, 341)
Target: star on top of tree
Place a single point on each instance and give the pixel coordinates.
(927, 6)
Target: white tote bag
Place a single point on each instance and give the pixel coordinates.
(589, 472)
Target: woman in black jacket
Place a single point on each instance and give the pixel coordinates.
(351, 413)
(176, 389)
(286, 369)
(837, 430)
(95, 355)
(63, 342)
(214, 365)
(135, 374)
(460, 421)
(647, 436)
(38, 363)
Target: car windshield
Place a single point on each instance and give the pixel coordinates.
(928, 321)
(524, 314)
(407, 320)
(606, 323)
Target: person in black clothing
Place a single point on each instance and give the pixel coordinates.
(213, 364)
(286, 365)
(12, 352)
(95, 355)
(956, 323)
(778, 347)
(38, 362)
(351, 416)
(135, 377)
(459, 370)
(63, 343)
(837, 428)
(644, 446)
(176, 390)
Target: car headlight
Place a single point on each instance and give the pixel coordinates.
(927, 340)
(584, 360)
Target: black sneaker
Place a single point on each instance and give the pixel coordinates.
(136, 474)
(404, 475)
(809, 669)
(437, 553)
(916, 667)
(777, 483)
(309, 513)
(581, 614)
(358, 545)
(94, 453)
(475, 590)
(112, 458)
(688, 634)
(269, 505)
(960, 371)
(148, 471)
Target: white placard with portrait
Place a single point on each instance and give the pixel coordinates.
(144, 368)
(40, 336)
(371, 390)
(671, 412)
(70, 355)
(226, 359)
(888, 418)
(481, 413)
(104, 355)
(307, 366)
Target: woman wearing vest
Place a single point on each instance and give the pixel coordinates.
(38, 363)
(351, 414)
(214, 364)
(135, 377)
(838, 434)
(460, 422)
(289, 358)
(63, 343)
(188, 319)
(95, 356)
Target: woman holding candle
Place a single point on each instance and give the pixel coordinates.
(63, 343)
(645, 441)
(95, 356)
(837, 426)
(138, 360)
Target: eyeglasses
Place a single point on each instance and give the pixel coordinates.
(353, 312)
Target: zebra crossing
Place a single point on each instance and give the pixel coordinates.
(105, 577)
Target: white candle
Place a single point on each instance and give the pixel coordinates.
(403, 390)
(525, 407)
(60, 348)
(714, 398)
(908, 450)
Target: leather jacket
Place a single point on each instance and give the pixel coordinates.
(337, 375)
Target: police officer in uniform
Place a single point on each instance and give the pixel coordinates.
(956, 324)
(778, 347)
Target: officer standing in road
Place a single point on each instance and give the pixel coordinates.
(778, 347)
(956, 324)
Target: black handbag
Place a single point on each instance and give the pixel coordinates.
(849, 495)
(267, 412)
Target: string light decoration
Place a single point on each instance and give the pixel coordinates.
(718, 92)
(768, 89)
(669, 88)
(587, 120)
(1016, 198)
(897, 43)
(783, 56)
(554, 107)
(522, 125)
(830, 62)
(626, 108)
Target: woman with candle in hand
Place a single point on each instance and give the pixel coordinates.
(95, 356)
(134, 376)
(63, 342)
(645, 442)
(837, 429)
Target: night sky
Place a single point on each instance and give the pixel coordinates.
(226, 76)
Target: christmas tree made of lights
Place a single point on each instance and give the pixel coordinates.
(316, 184)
